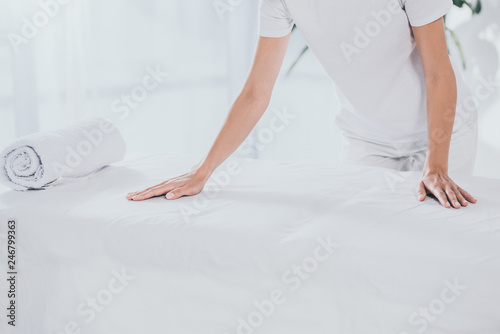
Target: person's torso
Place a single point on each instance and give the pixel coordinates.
(367, 48)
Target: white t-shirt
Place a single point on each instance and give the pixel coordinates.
(367, 48)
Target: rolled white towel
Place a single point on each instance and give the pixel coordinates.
(40, 160)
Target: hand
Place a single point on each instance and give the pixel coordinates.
(188, 184)
(439, 184)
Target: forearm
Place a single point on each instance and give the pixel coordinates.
(441, 108)
(250, 104)
(243, 116)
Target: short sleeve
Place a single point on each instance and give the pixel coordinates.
(422, 12)
(274, 20)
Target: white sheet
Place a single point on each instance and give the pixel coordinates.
(200, 273)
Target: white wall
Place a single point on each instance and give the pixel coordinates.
(92, 52)
(480, 38)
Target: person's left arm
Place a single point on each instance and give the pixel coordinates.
(441, 93)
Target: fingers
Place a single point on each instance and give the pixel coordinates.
(452, 198)
(466, 195)
(438, 192)
(150, 190)
(421, 192)
(448, 194)
(157, 190)
(186, 190)
(130, 195)
(184, 185)
(177, 193)
(461, 198)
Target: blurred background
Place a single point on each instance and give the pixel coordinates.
(61, 61)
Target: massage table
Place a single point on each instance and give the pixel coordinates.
(269, 247)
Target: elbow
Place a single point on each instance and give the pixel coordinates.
(257, 97)
(441, 77)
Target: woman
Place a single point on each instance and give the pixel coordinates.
(402, 104)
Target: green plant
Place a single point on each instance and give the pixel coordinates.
(475, 9)
(459, 3)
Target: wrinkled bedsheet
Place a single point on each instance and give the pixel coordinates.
(268, 247)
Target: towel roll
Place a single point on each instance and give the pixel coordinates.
(40, 160)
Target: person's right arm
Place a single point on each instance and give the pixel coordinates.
(243, 116)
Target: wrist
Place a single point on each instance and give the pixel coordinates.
(204, 171)
(436, 160)
(433, 167)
